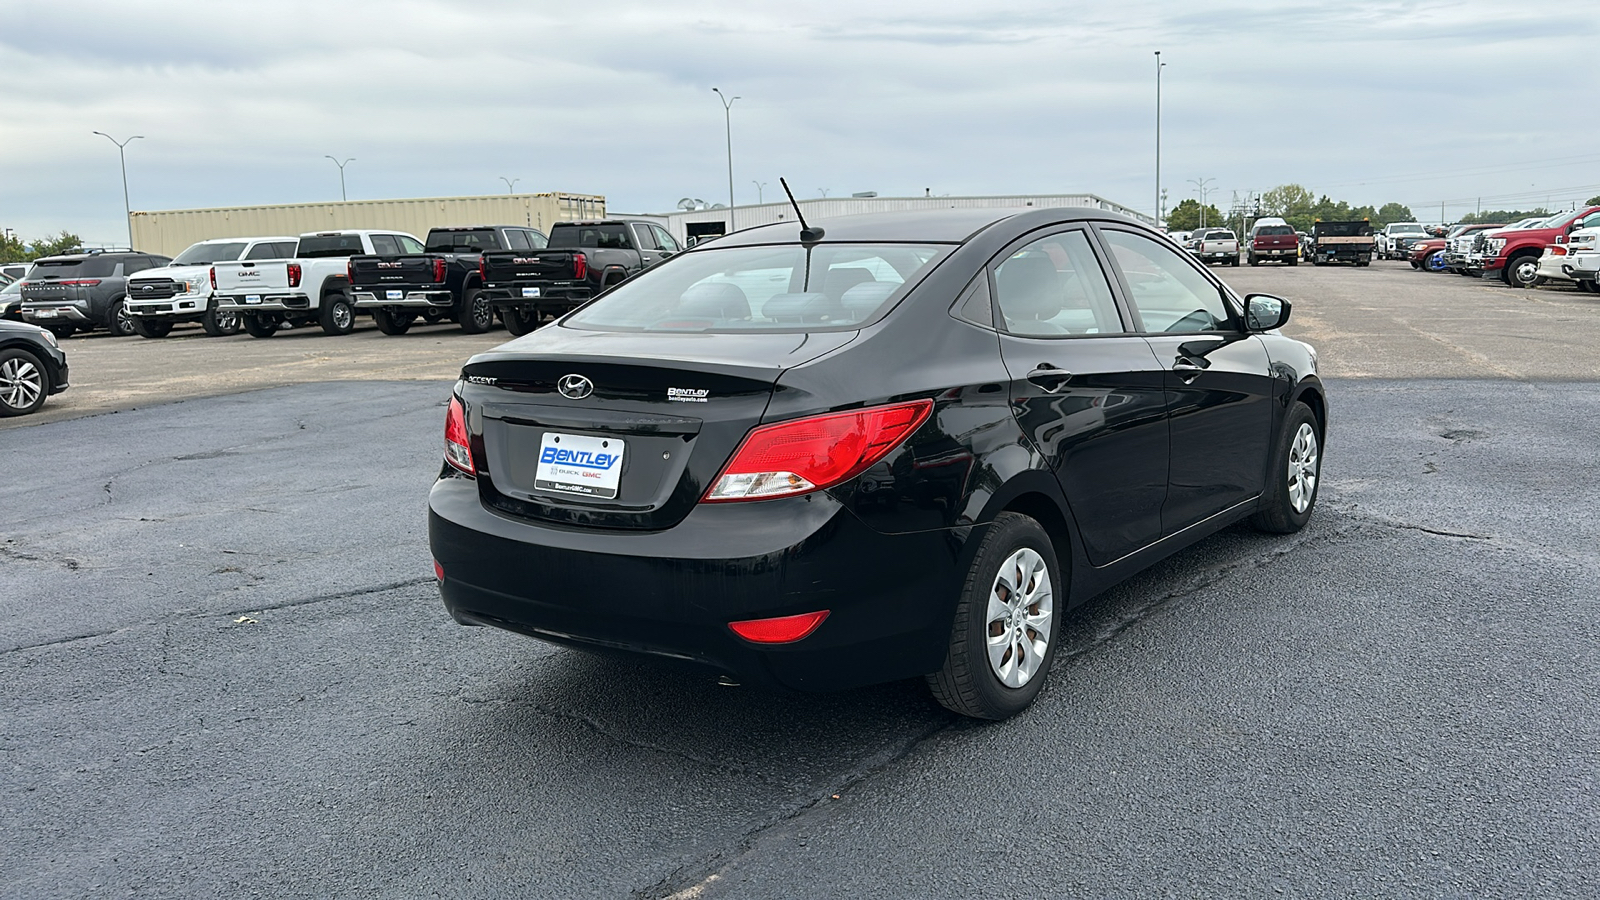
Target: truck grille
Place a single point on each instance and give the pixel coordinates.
(154, 290)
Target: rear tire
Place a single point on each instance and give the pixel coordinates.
(219, 323)
(150, 328)
(336, 315)
(1291, 261)
(24, 382)
(118, 322)
(1007, 623)
(259, 327)
(1234, 262)
(1291, 495)
(1254, 261)
(519, 322)
(393, 322)
(476, 315)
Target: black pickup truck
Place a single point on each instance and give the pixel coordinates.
(1332, 242)
(443, 281)
(583, 259)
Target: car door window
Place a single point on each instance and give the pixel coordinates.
(1055, 287)
(1168, 292)
(518, 240)
(647, 240)
(538, 240)
(408, 244)
(265, 250)
(385, 245)
(665, 240)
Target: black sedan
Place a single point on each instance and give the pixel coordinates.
(32, 367)
(901, 447)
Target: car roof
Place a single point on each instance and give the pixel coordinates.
(924, 225)
(93, 254)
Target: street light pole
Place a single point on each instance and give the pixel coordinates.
(727, 117)
(511, 184)
(341, 165)
(1200, 183)
(1159, 66)
(127, 208)
(759, 185)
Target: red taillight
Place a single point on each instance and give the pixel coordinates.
(438, 269)
(457, 447)
(782, 630)
(811, 454)
(81, 282)
(294, 274)
(483, 269)
(438, 570)
(580, 266)
(213, 278)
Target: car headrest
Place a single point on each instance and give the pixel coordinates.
(714, 299)
(1030, 288)
(843, 279)
(808, 307)
(861, 300)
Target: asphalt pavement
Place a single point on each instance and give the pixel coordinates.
(227, 672)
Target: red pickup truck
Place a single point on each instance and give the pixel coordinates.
(1512, 255)
(1274, 239)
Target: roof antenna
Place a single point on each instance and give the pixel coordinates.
(808, 235)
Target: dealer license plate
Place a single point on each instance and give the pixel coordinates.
(46, 313)
(575, 464)
(252, 298)
(394, 295)
(530, 292)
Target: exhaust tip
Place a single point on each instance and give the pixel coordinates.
(727, 681)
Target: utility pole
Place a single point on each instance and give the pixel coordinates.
(727, 117)
(1159, 66)
(127, 209)
(341, 166)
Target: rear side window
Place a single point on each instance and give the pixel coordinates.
(1053, 287)
(589, 237)
(89, 267)
(329, 245)
(135, 264)
(784, 288)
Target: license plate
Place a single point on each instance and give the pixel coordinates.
(575, 464)
(394, 295)
(252, 298)
(530, 292)
(46, 313)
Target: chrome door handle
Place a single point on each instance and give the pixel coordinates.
(1186, 370)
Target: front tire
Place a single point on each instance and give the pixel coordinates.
(24, 382)
(337, 316)
(1292, 493)
(1006, 624)
(151, 328)
(260, 327)
(1521, 271)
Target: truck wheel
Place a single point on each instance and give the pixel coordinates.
(1521, 271)
(1234, 262)
(1291, 261)
(393, 322)
(151, 328)
(337, 315)
(476, 315)
(520, 322)
(118, 322)
(220, 322)
(260, 327)
(1254, 261)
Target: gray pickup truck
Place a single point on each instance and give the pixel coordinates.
(444, 281)
(581, 260)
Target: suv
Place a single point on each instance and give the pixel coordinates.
(161, 298)
(83, 290)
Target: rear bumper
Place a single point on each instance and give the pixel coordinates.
(55, 314)
(672, 593)
(544, 295)
(277, 302)
(432, 297)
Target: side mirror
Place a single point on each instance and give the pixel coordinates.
(689, 242)
(1264, 312)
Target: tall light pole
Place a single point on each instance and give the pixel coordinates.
(759, 185)
(127, 208)
(511, 184)
(1159, 66)
(1200, 184)
(341, 166)
(727, 118)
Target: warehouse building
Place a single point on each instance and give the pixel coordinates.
(698, 223)
(168, 232)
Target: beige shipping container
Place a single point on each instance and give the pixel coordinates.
(168, 232)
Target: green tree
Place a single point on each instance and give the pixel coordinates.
(1392, 212)
(50, 246)
(1290, 202)
(1502, 216)
(1186, 216)
(1592, 201)
(12, 249)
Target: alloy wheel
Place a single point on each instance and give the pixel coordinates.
(342, 316)
(1303, 468)
(482, 313)
(21, 383)
(1021, 604)
(124, 321)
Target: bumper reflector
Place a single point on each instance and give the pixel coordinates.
(438, 570)
(782, 630)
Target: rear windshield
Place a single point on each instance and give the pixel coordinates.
(329, 245)
(206, 254)
(1406, 229)
(588, 237)
(1218, 235)
(774, 289)
(463, 241)
(1274, 229)
(93, 266)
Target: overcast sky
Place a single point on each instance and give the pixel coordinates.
(1366, 100)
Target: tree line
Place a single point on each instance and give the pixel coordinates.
(14, 250)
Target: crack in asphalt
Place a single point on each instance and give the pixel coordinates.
(689, 881)
(192, 615)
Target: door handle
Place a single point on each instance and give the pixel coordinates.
(1049, 378)
(1187, 370)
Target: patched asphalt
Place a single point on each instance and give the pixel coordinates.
(227, 672)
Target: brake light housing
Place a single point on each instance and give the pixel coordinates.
(295, 272)
(800, 456)
(483, 269)
(457, 443)
(80, 282)
(213, 278)
(438, 269)
(580, 266)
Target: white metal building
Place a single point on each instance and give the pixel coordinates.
(705, 222)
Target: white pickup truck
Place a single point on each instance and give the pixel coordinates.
(181, 291)
(312, 287)
(1216, 245)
